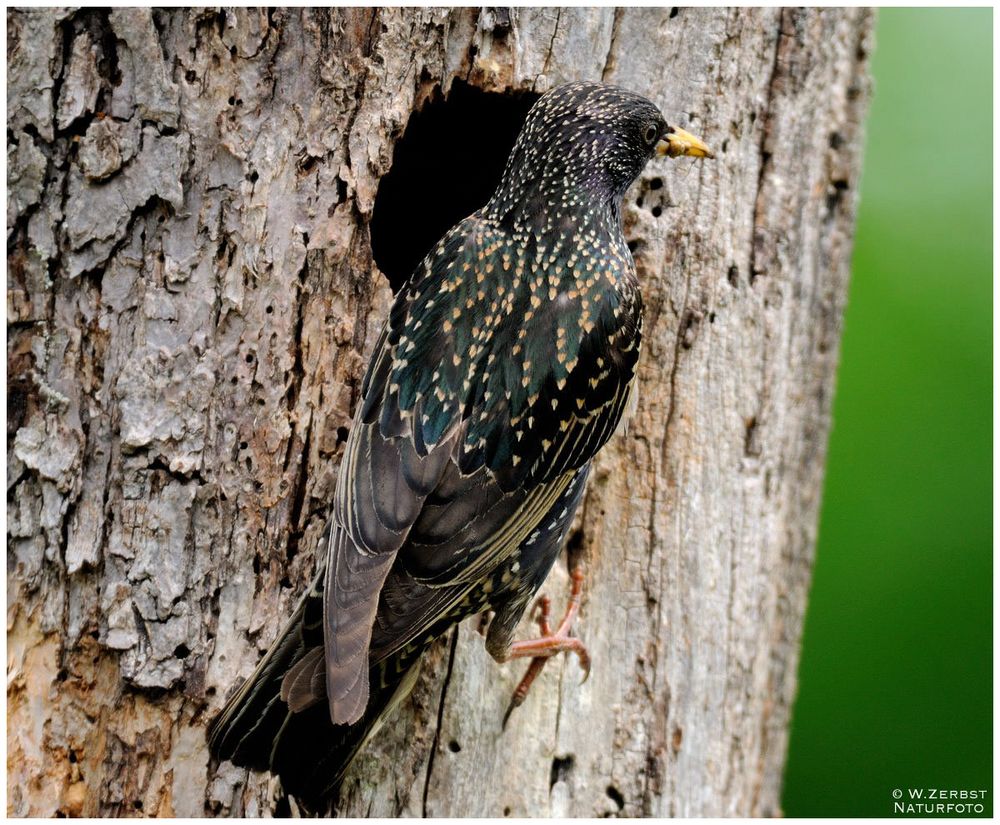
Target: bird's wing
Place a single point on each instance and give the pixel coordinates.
(519, 412)
(380, 491)
(404, 432)
(523, 355)
(488, 389)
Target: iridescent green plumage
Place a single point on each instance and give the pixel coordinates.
(505, 365)
(527, 344)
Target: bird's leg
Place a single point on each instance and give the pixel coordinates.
(550, 643)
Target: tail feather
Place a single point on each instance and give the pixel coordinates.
(245, 729)
(312, 755)
(276, 722)
(303, 685)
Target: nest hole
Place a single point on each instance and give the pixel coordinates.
(446, 165)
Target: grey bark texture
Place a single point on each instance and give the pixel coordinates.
(191, 302)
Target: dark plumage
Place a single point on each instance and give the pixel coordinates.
(505, 365)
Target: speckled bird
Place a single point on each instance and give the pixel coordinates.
(506, 363)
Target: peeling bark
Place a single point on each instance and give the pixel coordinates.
(191, 302)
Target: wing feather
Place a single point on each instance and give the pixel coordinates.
(470, 427)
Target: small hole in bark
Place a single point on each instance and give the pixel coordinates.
(190, 76)
(657, 211)
(181, 651)
(137, 804)
(616, 796)
(243, 445)
(342, 434)
(674, 11)
(453, 171)
(285, 583)
(254, 177)
(249, 358)
(72, 757)
(639, 201)
(269, 309)
(562, 767)
(306, 164)
(232, 100)
(656, 183)
(751, 439)
(574, 548)
(210, 691)
(62, 676)
(711, 317)
(836, 194)
(454, 747)
(733, 276)
(506, 811)
(689, 329)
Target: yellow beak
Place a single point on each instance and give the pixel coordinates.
(677, 142)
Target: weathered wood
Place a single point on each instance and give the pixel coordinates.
(191, 299)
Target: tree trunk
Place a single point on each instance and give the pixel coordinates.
(191, 303)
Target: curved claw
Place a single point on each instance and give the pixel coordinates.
(521, 691)
(584, 656)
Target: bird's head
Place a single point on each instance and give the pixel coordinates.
(591, 140)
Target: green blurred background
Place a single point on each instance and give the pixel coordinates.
(896, 674)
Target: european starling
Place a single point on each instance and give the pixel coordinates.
(504, 367)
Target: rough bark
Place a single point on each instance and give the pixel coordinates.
(191, 302)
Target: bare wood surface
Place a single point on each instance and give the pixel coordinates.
(191, 300)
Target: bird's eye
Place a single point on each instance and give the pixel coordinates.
(652, 133)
